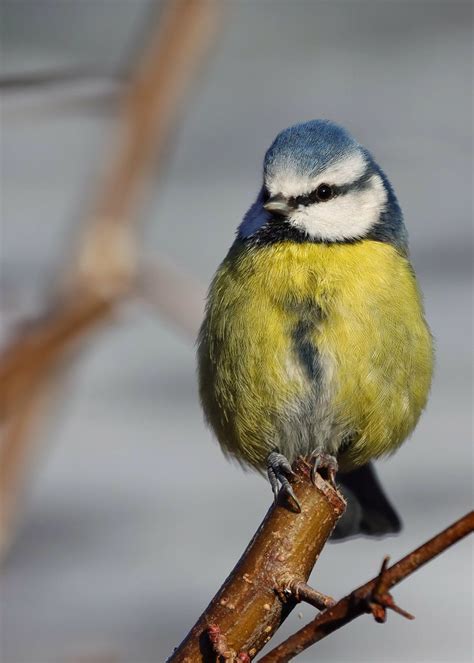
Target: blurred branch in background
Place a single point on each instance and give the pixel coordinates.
(43, 94)
(53, 77)
(105, 266)
(177, 296)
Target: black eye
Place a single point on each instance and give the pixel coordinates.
(324, 192)
(320, 195)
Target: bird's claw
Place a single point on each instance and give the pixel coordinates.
(320, 461)
(279, 471)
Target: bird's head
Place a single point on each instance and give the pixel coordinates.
(320, 185)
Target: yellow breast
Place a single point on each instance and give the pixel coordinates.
(371, 337)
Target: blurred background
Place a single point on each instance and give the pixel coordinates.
(132, 517)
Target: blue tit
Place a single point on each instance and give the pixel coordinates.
(314, 341)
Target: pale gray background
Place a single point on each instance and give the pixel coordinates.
(135, 518)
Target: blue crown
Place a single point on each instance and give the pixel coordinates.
(309, 148)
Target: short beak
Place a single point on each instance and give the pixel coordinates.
(278, 204)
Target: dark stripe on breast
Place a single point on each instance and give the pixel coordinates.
(306, 351)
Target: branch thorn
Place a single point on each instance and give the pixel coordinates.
(379, 600)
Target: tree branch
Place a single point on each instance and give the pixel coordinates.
(59, 76)
(175, 295)
(104, 267)
(373, 597)
(263, 587)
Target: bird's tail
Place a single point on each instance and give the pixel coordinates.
(368, 509)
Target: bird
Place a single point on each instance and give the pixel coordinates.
(314, 341)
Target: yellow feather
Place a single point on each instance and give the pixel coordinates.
(372, 338)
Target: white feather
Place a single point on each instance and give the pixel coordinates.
(287, 182)
(348, 216)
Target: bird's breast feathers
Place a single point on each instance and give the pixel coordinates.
(308, 344)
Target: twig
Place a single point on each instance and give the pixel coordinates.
(173, 294)
(259, 593)
(373, 597)
(45, 78)
(105, 267)
(303, 592)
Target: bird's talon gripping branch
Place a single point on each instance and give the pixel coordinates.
(279, 471)
(323, 461)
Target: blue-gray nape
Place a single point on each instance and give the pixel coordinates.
(390, 227)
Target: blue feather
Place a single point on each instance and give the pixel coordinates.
(309, 148)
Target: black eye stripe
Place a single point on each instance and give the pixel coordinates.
(359, 184)
(308, 199)
(321, 194)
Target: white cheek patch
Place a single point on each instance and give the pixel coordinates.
(287, 183)
(347, 216)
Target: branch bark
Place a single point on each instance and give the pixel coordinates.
(372, 597)
(263, 587)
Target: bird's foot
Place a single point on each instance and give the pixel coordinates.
(323, 461)
(279, 471)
